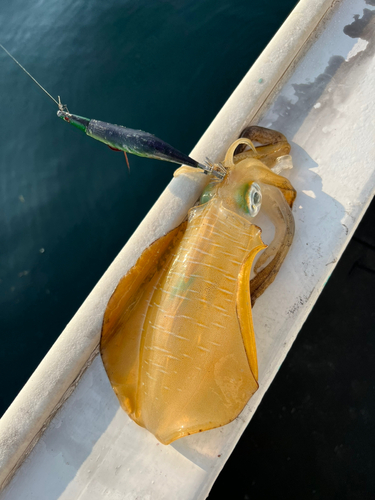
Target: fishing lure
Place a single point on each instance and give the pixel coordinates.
(177, 339)
(128, 140)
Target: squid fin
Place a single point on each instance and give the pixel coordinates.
(124, 316)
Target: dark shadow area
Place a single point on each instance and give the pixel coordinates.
(312, 436)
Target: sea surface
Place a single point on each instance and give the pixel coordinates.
(68, 203)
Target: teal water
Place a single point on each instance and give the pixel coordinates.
(68, 203)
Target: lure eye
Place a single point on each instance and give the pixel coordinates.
(254, 199)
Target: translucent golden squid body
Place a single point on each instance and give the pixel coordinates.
(177, 341)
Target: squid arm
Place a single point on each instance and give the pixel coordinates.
(269, 263)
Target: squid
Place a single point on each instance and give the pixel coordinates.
(177, 339)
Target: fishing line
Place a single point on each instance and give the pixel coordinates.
(60, 106)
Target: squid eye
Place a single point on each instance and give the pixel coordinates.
(254, 199)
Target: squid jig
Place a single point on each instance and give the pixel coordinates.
(119, 138)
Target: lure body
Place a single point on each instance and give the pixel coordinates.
(177, 341)
(132, 141)
(136, 142)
